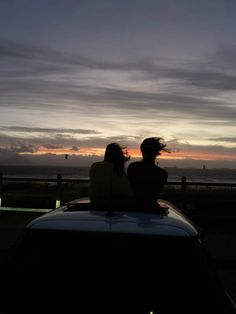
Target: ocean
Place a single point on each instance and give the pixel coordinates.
(175, 174)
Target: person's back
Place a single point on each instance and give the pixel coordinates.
(100, 181)
(109, 184)
(146, 178)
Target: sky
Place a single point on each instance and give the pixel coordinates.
(76, 75)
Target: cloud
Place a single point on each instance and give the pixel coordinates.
(223, 139)
(211, 79)
(32, 144)
(177, 145)
(40, 78)
(23, 50)
(53, 146)
(10, 49)
(47, 130)
(50, 140)
(75, 148)
(199, 74)
(18, 148)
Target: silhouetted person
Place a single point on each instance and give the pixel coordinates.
(147, 179)
(109, 185)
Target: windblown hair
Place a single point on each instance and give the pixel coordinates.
(114, 153)
(152, 147)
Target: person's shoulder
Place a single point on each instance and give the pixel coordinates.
(162, 171)
(100, 165)
(134, 164)
(96, 164)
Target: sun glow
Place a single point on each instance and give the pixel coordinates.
(198, 155)
(83, 151)
(135, 153)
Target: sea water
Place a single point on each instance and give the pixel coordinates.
(217, 175)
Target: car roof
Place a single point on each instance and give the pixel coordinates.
(126, 222)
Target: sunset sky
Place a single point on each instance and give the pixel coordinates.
(76, 75)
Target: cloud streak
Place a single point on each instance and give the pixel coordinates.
(194, 73)
(46, 130)
(63, 140)
(14, 144)
(224, 139)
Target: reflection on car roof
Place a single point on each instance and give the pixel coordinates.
(172, 224)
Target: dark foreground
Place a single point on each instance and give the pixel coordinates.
(218, 230)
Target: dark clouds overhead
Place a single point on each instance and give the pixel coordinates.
(52, 78)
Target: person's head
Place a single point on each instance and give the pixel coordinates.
(115, 154)
(151, 147)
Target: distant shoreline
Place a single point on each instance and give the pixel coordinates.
(87, 166)
(213, 175)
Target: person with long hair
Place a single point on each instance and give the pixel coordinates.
(109, 184)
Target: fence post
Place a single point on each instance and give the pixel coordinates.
(58, 196)
(183, 190)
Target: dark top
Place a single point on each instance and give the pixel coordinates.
(147, 180)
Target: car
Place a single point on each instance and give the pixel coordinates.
(82, 260)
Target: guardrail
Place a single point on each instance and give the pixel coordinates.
(59, 180)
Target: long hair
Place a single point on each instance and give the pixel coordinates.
(115, 154)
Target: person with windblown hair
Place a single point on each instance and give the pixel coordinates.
(146, 177)
(109, 184)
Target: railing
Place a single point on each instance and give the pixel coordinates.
(59, 180)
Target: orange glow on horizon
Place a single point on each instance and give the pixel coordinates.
(135, 153)
(83, 151)
(198, 155)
